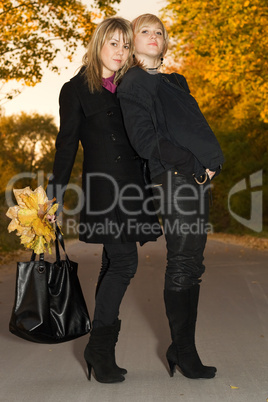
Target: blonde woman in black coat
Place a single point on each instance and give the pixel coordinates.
(116, 210)
(183, 156)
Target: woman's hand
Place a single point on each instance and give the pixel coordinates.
(210, 173)
(51, 218)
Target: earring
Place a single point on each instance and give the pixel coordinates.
(162, 60)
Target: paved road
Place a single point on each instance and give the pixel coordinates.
(232, 334)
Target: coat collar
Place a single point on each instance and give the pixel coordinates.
(92, 103)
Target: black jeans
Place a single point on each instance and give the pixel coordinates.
(184, 207)
(119, 265)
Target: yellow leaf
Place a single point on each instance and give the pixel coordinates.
(53, 209)
(233, 387)
(40, 228)
(27, 216)
(38, 245)
(23, 230)
(30, 201)
(50, 236)
(12, 212)
(41, 210)
(19, 192)
(246, 3)
(49, 248)
(28, 219)
(14, 225)
(25, 239)
(41, 195)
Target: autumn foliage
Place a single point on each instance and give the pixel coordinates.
(29, 219)
(221, 48)
(34, 32)
(224, 43)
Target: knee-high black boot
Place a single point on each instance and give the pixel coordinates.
(117, 327)
(181, 310)
(100, 355)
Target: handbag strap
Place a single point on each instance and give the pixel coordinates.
(57, 250)
(41, 265)
(41, 256)
(59, 239)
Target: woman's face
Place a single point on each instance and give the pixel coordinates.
(149, 43)
(114, 54)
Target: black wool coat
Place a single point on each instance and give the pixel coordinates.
(116, 202)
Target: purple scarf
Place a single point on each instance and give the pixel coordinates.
(108, 84)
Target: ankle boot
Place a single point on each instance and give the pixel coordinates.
(181, 310)
(99, 355)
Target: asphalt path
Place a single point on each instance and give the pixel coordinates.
(232, 334)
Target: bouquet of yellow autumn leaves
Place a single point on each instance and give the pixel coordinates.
(30, 219)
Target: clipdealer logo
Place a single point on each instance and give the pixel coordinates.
(255, 222)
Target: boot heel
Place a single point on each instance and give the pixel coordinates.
(99, 355)
(172, 367)
(89, 368)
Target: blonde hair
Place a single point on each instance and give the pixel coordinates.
(150, 19)
(92, 59)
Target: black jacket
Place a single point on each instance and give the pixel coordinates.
(110, 163)
(158, 111)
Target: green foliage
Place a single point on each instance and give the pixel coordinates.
(243, 158)
(27, 149)
(26, 145)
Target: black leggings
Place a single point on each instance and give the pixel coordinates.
(119, 265)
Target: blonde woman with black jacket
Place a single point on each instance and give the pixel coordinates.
(166, 127)
(112, 183)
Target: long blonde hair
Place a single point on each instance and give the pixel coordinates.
(150, 19)
(92, 59)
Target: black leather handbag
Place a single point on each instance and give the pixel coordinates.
(49, 304)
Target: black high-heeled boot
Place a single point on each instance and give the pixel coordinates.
(99, 355)
(181, 310)
(117, 327)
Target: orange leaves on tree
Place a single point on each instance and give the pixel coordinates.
(227, 41)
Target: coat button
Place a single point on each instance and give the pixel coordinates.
(113, 137)
(118, 159)
(110, 113)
